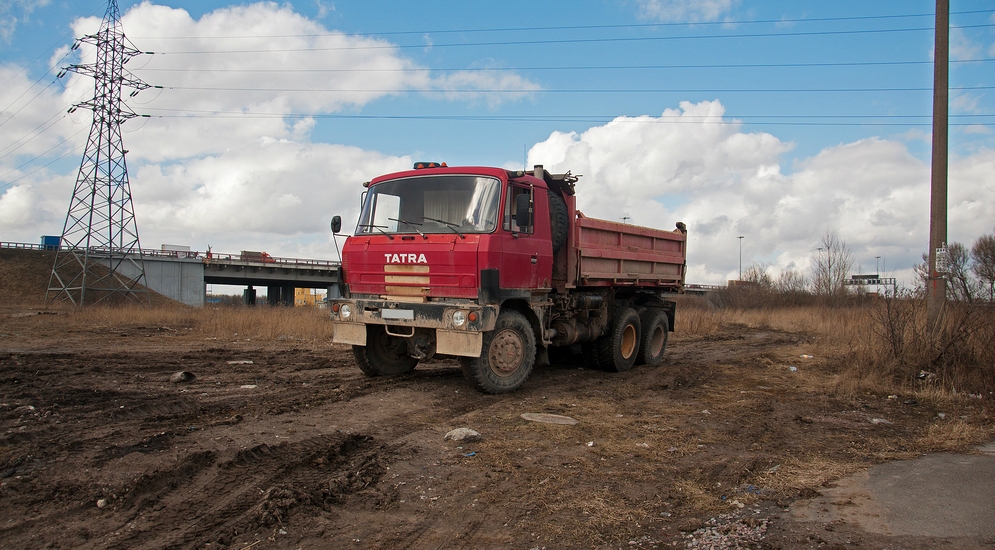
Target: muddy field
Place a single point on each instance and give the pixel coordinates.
(279, 443)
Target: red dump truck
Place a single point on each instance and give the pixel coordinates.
(498, 267)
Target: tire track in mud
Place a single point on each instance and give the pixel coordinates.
(210, 499)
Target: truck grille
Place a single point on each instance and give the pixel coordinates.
(406, 282)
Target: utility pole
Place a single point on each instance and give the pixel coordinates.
(936, 287)
(740, 257)
(97, 256)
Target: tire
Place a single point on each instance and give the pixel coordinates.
(617, 350)
(656, 331)
(506, 357)
(559, 221)
(591, 358)
(383, 354)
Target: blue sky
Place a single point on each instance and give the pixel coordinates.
(773, 120)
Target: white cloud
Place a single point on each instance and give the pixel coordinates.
(234, 180)
(14, 12)
(962, 47)
(693, 165)
(273, 190)
(685, 10)
(34, 117)
(966, 103)
(257, 63)
(323, 9)
(978, 129)
(16, 206)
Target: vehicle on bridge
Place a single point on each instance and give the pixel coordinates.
(252, 256)
(498, 267)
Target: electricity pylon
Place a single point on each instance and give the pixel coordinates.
(100, 254)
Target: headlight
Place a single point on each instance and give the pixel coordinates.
(345, 311)
(459, 318)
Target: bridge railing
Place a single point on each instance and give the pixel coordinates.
(206, 257)
(21, 246)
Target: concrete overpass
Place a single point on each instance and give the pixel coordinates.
(184, 276)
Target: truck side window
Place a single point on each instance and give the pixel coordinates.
(510, 223)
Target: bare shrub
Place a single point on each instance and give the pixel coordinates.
(957, 356)
(895, 321)
(983, 255)
(696, 318)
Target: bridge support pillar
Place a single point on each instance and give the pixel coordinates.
(273, 295)
(249, 296)
(288, 295)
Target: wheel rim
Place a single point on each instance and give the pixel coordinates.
(506, 353)
(656, 343)
(628, 346)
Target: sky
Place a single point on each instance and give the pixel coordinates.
(777, 121)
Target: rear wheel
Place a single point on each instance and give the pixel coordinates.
(506, 357)
(656, 330)
(383, 354)
(617, 350)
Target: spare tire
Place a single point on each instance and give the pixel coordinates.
(559, 221)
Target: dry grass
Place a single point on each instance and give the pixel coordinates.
(879, 346)
(308, 325)
(953, 436)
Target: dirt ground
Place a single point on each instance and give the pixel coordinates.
(282, 445)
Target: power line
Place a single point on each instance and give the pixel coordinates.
(628, 39)
(579, 27)
(52, 120)
(572, 67)
(677, 119)
(566, 90)
(47, 164)
(28, 102)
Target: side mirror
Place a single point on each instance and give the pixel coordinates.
(336, 224)
(523, 210)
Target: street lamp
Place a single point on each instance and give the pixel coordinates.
(877, 275)
(740, 257)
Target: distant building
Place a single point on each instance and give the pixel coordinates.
(307, 297)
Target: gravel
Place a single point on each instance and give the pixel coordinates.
(740, 529)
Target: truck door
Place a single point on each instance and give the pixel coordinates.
(520, 257)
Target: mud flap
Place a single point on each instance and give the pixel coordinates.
(459, 343)
(349, 333)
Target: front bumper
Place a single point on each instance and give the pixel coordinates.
(402, 318)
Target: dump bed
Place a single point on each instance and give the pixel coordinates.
(615, 254)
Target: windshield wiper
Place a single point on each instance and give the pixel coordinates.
(450, 225)
(424, 236)
(378, 228)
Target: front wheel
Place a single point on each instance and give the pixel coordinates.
(506, 357)
(383, 354)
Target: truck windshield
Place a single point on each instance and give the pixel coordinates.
(432, 204)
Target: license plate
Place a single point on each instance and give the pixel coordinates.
(397, 314)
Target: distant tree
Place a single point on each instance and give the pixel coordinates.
(833, 265)
(922, 274)
(758, 273)
(791, 281)
(983, 254)
(962, 287)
